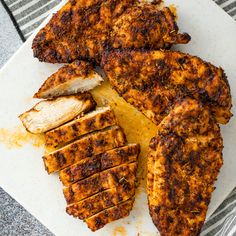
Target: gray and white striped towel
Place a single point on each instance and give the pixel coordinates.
(25, 16)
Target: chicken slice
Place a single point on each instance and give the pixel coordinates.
(76, 77)
(101, 201)
(50, 114)
(114, 213)
(98, 163)
(87, 146)
(144, 26)
(99, 119)
(153, 80)
(104, 180)
(184, 161)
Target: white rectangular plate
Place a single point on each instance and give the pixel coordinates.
(21, 170)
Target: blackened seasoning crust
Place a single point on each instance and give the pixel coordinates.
(86, 146)
(152, 81)
(183, 163)
(95, 164)
(86, 29)
(101, 181)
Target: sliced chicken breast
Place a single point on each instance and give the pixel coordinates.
(92, 165)
(50, 114)
(114, 213)
(99, 119)
(101, 201)
(104, 180)
(73, 78)
(87, 146)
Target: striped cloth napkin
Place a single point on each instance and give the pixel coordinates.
(18, 19)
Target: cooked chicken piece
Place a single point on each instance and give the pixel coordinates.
(153, 80)
(76, 77)
(79, 30)
(87, 146)
(89, 197)
(99, 119)
(184, 161)
(50, 114)
(115, 213)
(144, 26)
(104, 180)
(101, 201)
(82, 30)
(95, 164)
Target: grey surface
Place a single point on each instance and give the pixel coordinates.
(14, 219)
(9, 38)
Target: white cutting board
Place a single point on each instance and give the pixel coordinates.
(21, 170)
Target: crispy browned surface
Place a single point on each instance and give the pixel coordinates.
(95, 120)
(49, 114)
(97, 197)
(95, 164)
(117, 212)
(87, 146)
(103, 200)
(70, 79)
(78, 31)
(153, 80)
(184, 161)
(145, 27)
(120, 175)
(82, 30)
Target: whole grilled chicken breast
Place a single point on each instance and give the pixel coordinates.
(153, 80)
(86, 29)
(183, 163)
